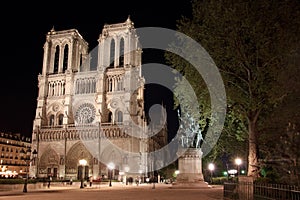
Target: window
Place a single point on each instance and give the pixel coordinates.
(51, 120)
(109, 117)
(60, 119)
(120, 116)
(121, 57)
(80, 64)
(112, 53)
(66, 54)
(56, 60)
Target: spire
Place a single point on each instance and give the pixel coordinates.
(128, 22)
(163, 116)
(128, 19)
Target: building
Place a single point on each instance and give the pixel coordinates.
(90, 106)
(12, 163)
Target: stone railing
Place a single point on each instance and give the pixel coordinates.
(76, 132)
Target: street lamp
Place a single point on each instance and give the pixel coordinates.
(126, 171)
(238, 162)
(26, 157)
(111, 166)
(82, 163)
(211, 168)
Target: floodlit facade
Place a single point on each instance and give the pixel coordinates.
(11, 161)
(90, 106)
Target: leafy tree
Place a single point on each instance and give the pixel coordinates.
(250, 42)
(283, 155)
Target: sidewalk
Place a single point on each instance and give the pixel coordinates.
(118, 191)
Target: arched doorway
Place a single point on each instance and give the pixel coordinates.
(49, 164)
(73, 168)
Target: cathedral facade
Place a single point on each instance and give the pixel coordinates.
(90, 106)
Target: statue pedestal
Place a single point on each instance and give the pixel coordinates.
(190, 169)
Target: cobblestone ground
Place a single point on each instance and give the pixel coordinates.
(117, 192)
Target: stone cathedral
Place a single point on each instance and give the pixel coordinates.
(90, 106)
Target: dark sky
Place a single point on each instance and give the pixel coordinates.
(23, 29)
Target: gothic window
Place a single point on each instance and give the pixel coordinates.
(66, 54)
(51, 120)
(120, 116)
(60, 119)
(120, 83)
(56, 60)
(80, 64)
(121, 57)
(109, 117)
(94, 59)
(112, 53)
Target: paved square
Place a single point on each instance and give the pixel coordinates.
(117, 192)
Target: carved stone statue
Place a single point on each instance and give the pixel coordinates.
(189, 131)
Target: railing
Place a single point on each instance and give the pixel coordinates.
(85, 132)
(260, 191)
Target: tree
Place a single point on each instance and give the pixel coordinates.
(282, 158)
(250, 42)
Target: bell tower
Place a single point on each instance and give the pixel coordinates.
(65, 53)
(120, 64)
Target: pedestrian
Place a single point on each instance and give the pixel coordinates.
(71, 181)
(137, 181)
(91, 181)
(49, 181)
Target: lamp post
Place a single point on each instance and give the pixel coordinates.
(111, 166)
(238, 162)
(176, 173)
(126, 171)
(211, 168)
(82, 163)
(26, 157)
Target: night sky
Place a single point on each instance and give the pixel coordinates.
(23, 30)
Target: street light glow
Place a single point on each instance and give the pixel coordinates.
(238, 161)
(211, 166)
(126, 169)
(111, 166)
(82, 162)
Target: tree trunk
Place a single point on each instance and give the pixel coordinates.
(253, 149)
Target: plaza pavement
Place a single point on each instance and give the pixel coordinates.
(116, 192)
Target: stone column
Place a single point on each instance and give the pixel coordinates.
(190, 169)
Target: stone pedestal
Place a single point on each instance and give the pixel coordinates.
(190, 169)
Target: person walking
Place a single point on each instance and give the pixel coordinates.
(49, 181)
(91, 181)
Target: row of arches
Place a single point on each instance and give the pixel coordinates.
(85, 86)
(56, 88)
(65, 58)
(113, 53)
(116, 57)
(56, 120)
(52, 135)
(115, 83)
(118, 117)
